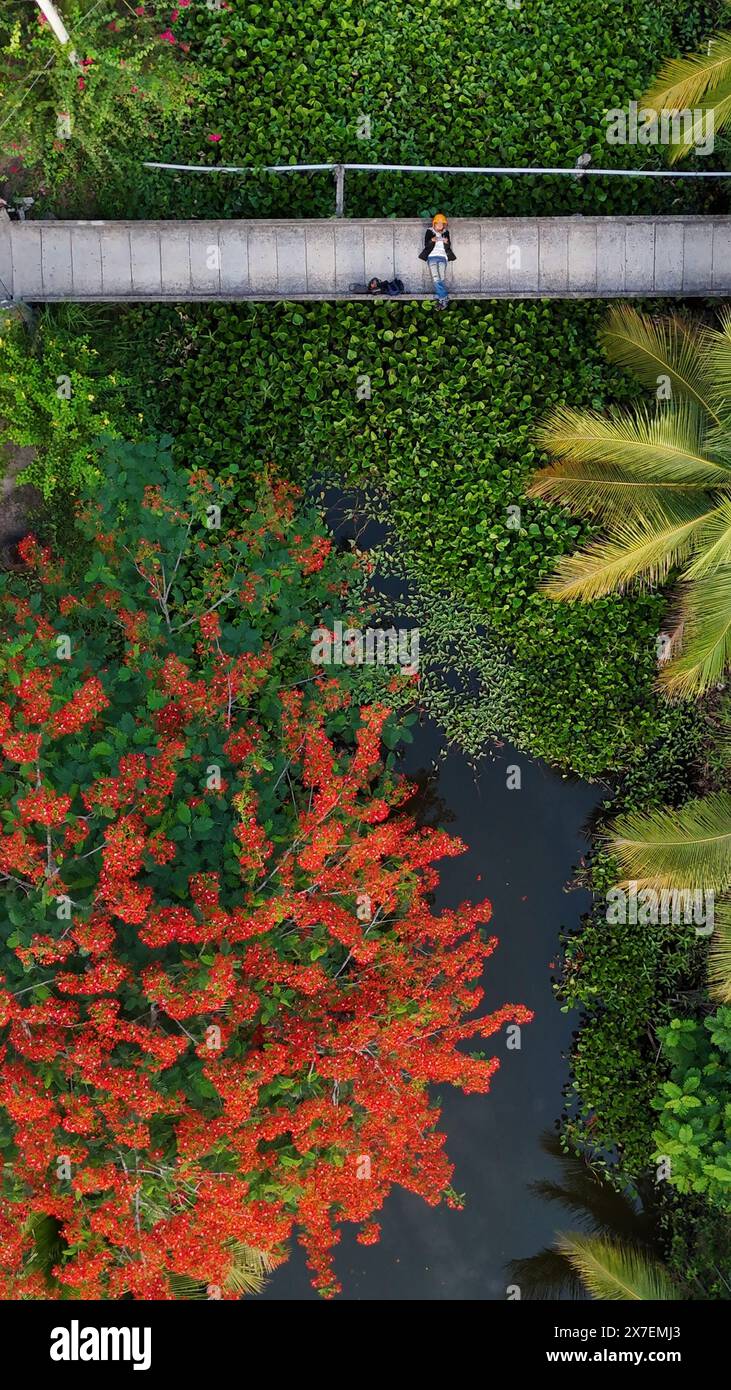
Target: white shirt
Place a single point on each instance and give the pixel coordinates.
(439, 249)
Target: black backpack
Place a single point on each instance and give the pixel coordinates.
(390, 287)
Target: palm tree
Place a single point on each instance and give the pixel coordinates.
(605, 1214)
(700, 83)
(659, 482)
(685, 849)
(612, 1271)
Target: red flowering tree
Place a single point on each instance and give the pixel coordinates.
(225, 994)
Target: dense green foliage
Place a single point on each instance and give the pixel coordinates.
(477, 82)
(694, 1131)
(54, 398)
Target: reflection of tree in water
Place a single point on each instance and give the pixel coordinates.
(597, 1209)
(426, 804)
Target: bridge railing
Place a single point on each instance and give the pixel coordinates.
(580, 170)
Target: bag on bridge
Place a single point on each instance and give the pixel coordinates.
(374, 286)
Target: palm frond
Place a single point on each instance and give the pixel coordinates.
(635, 550)
(705, 621)
(688, 130)
(719, 958)
(616, 1272)
(717, 351)
(665, 448)
(654, 347)
(584, 1189)
(48, 1246)
(249, 1269)
(547, 1274)
(609, 492)
(684, 82)
(182, 1286)
(714, 544)
(246, 1275)
(685, 848)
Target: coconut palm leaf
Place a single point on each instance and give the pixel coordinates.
(719, 961)
(701, 80)
(685, 848)
(584, 1189)
(714, 544)
(48, 1246)
(612, 1271)
(685, 130)
(655, 347)
(594, 1201)
(666, 449)
(717, 350)
(610, 492)
(705, 621)
(247, 1275)
(547, 1274)
(635, 550)
(182, 1286)
(249, 1270)
(660, 483)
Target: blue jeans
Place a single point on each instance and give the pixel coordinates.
(438, 268)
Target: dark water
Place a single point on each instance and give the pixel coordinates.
(523, 846)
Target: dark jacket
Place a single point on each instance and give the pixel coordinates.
(429, 240)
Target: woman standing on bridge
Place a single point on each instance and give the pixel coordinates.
(437, 252)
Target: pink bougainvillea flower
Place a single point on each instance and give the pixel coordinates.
(168, 37)
(214, 138)
(175, 15)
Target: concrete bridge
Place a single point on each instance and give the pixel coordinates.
(521, 258)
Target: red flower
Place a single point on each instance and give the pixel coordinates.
(44, 806)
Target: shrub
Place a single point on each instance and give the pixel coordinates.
(96, 103)
(54, 398)
(694, 1131)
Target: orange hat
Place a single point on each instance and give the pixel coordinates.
(439, 220)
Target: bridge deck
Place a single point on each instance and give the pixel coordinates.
(555, 258)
